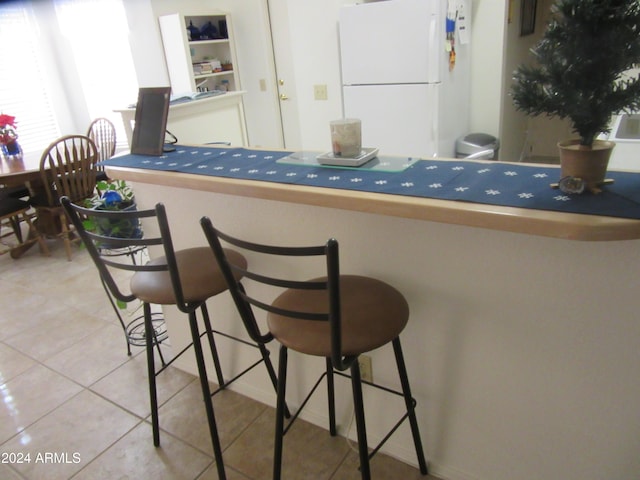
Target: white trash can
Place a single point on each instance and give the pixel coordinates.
(477, 146)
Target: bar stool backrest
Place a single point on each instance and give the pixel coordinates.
(109, 252)
(246, 301)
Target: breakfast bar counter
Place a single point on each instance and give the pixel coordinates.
(523, 344)
(561, 223)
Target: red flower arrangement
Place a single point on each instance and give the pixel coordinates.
(8, 132)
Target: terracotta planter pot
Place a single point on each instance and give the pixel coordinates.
(588, 164)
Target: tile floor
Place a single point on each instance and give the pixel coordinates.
(77, 405)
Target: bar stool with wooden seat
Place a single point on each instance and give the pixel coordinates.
(185, 278)
(338, 317)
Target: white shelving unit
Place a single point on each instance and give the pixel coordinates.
(186, 53)
(207, 119)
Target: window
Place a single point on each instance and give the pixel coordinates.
(82, 50)
(22, 89)
(98, 34)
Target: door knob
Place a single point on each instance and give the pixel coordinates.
(283, 97)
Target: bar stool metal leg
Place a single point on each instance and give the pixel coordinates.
(410, 404)
(331, 399)
(206, 394)
(212, 346)
(151, 372)
(280, 410)
(358, 407)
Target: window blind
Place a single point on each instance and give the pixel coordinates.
(23, 92)
(95, 36)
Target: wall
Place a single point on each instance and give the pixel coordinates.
(514, 131)
(525, 138)
(488, 30)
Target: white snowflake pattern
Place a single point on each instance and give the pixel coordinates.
(540, 175)
(206, 153)
(460, 167)
(146, 161)
(407, 184)
(484, 170)
(291, 174)
(159, 162)
(253, 170)
(562, 198)
(234, 170)
(188, 165)
(271, 172)
(268, 157)
(312, 175)
(202, 167)
(381, 182)
(511, 173)
(218, 168)
(356, 180)
(432, 167)
(462, 189)
(195, 152)
(491, 191)
(435, 185)
(253, 155)
(173, 164)
(236, 155)
(526, 195)
(334, 178)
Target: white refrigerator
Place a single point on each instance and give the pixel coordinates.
(396, 77)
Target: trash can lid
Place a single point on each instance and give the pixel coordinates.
(480, 139)
(474, 142)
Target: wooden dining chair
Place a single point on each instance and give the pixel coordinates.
(67, 168)
(103, 133)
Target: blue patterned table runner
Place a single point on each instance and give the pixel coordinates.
(494, 183)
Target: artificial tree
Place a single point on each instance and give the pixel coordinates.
(582, 65)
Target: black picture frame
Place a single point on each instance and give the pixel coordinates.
(528, 17)
(152, 111)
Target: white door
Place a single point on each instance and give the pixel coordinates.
(285, 77)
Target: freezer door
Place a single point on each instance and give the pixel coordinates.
(396, 41)
(397, 119)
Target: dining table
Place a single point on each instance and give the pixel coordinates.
(20, 170)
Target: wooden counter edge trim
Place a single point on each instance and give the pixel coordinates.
(569, 226)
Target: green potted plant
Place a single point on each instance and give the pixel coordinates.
(113, 195)
(582, 73)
